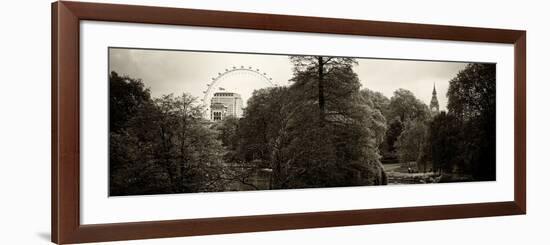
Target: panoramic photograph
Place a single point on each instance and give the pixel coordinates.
(201, 121)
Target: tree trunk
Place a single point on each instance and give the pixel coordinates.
(166, 161)
(321, 92)
(183, 156)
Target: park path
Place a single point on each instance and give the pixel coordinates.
(396, 177)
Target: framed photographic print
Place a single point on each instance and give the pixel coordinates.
(176, 122)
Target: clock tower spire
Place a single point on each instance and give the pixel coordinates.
(434, 104)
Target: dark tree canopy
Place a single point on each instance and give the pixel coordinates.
(126, 96)
(387, 148)
(472, 98)
(446, 138)
(266, 113)
(158, 146)
(228, 135)
(472, 93)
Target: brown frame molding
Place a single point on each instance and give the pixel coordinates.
(66, 17)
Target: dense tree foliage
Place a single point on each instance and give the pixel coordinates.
(323, 130)
(472, 99)
(319, 132)
(127, 96)
(228, 135)
(407, 127)
(405, 106)
(472, 93)
(379, 101)
(446, 138)
(323, 75)
(411, 141)
(388, 147)
(163, 145)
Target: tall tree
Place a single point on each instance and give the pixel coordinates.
(472, 93)
(379, 101)
(161, 145)
(411, 141)
(228, 129)
(405, 106)
(318, 132)
(131, 169)
(317, 71)
(387, 148)
(126, 96)
(472, 98)
(183, 137)
(404, 112)
(262, 120)
(266, 128)
(446, 139)
(340, 146)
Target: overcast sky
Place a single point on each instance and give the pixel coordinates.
(166, 72)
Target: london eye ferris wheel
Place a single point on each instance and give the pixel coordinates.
(238, 79)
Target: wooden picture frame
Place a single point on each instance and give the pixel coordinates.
(66, 226)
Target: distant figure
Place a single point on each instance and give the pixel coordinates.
(409, 170)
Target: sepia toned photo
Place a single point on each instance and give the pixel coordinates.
(197, 121)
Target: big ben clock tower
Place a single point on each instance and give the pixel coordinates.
(434, 104)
